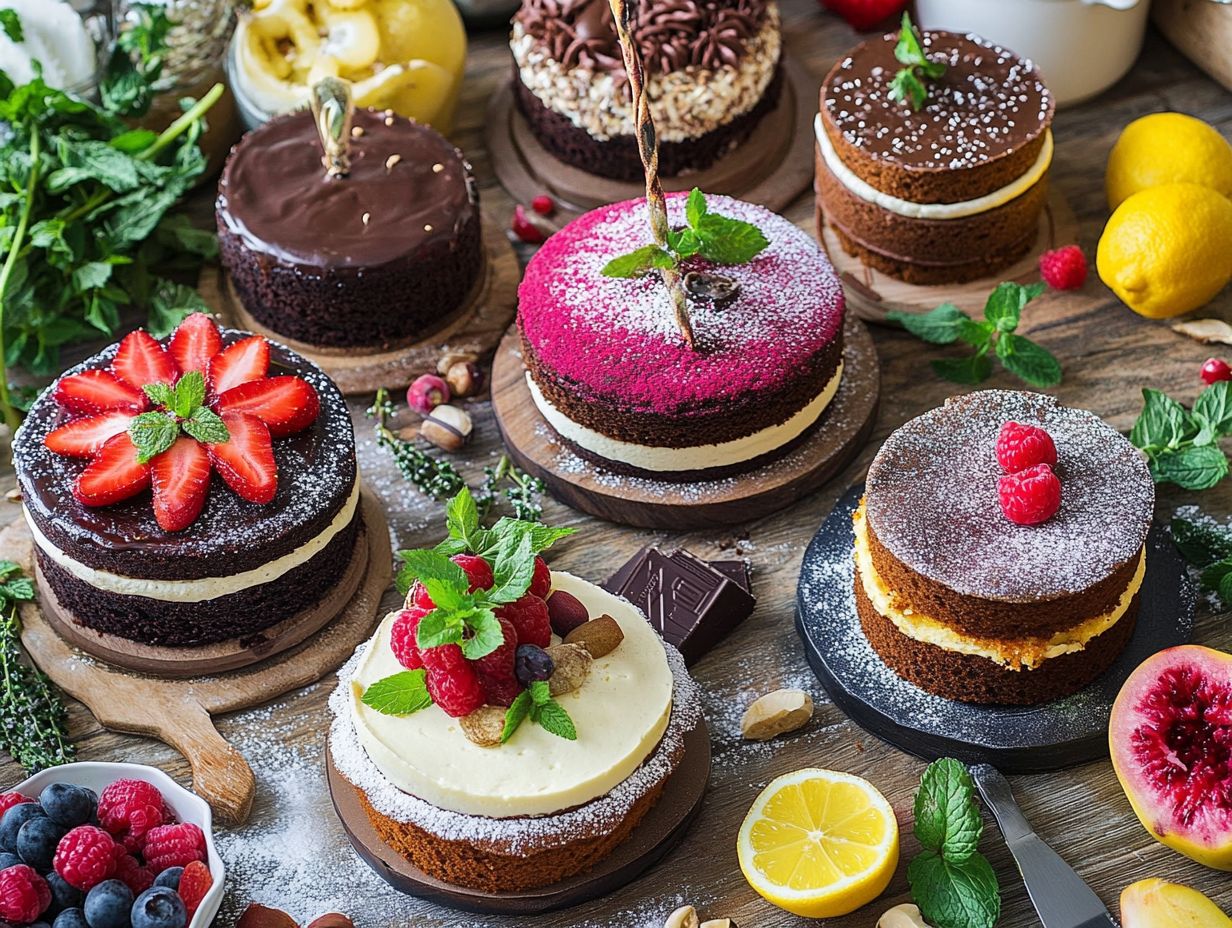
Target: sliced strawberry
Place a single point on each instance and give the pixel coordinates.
(195, 882)
(239, 363)
(246, 460)
(285, 404)
(93, 392)
(113, 475)
(181, 479)
(140, 360)
(194, 342)
(81, 438)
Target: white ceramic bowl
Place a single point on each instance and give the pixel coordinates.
(188, 807)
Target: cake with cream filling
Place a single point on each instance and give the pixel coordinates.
(967, 604)
(948, 192)
(713, 71)
(612, 376)
(150, 472)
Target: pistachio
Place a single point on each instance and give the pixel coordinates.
(683, 917)
(776, 714)
(455, 356)
(465, 378)
(447, 427)
(599, 636)
(484, 726)
(906, 915)
(572, 663)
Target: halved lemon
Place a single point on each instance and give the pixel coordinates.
(819, 843)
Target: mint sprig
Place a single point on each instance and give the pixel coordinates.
(908, 85)
(714, 237)
(400, 694)
(951, 881)
(1206, 544)
(1182, 445)
(468, 536)
(536, 703)
(993, 336)
(180, 407)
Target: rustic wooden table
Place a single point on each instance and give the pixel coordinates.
(293, 854)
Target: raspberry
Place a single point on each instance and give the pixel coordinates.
(1065, 268)
(478, 572)
(1021, 446)
(85, 856)
(529, 616)
(402, 638)
(130, 808)
(1030, 496)
(195, 882)
(452, 682)
(8, 800)
(541, 582)
(543, 204)
(24, 895)
(130, 872)
(495, 670)
(174, 846)
(1213, 371)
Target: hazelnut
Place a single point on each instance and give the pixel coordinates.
(484, 726)
(408, 432)
(465, 378)
(599, 636)
(447, 427)
(331, 920)
(683, 917)
(776, 714)
(454, 356)
(566, 612)
(263, 916)
(572, 665)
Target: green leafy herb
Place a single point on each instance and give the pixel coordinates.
(129, 85)
(717, 238)
(1182, 445)
(1206, 544)
(908, 83)
(951, 881)
(400, 694)
(536, 703)
(432, 476)
(466, 536)
(205, 425)
(181, 407)
(10, 25)
(992, 336)
(152, 434)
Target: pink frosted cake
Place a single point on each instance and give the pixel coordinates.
(610, 372)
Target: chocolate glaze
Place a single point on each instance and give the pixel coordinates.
(276, 195)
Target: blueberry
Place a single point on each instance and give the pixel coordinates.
(63, 896)
(159, 907)
(8, 860)
(37, 840)
(68, 805)
(71, 918)
(13, 819)
(108, 905)
(532, 663)
(170, 878)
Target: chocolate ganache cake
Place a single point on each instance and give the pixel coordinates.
(375, 259)
(712, 72)
(949, 192)
(611, 374)
(965, 602)
(245, 513)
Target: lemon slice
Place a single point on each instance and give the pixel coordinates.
(819, 843)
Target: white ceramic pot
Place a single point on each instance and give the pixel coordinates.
(1082, 47)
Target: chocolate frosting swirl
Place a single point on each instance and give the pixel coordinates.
(671, 34)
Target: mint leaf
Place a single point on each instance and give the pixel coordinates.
(972, 370)
(439, 627)
(462, 517)
(695, 208)
(540, 692)
(152, 433)
(637, 263)
(1195, 467)
(437, 573)
(939, 326)
(683, 242)
(1162, 424)
(975, 334)
(189, 393)
(946, 817)
(552, 717)
(1213, 407)
(19, 588)
(485, 635)
(729, 241)
(1028, 361)
(1004, 306)
(516, 714)
(206, 426)
(400, 694)
(8, 568)
(160, 394)
(955, 895)
(542, 536)
(10, 23)
(1199, 543)
(905, 87)
(908, 49)
(513, 568)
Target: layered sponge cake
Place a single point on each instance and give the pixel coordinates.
(947, 193)
(966, 603)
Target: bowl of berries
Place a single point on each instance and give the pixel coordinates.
(95, 845)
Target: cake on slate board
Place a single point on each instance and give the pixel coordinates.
(189, 491)
(946, 193)
(714, 72)
(374, 259)
(1000, 548)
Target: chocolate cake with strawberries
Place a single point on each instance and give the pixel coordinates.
(1000, 548)
(941, 188)
(191, 490)
(373, 259)
(713, 71)
(614, 378)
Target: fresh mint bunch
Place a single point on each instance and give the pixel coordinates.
(994, 335)
(536, 703)
(714, 237)
(951, 881)
(1182, 445)
(128, 86)
(181, 407)
(1206, 544)
(908, 84)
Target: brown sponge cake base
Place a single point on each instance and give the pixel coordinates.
(976, 679)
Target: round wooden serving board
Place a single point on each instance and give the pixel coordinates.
(178, 711)
(1015, 739)
(648, 503)
(871, 294)
(772, 168)
(477, 329)
(661, 830)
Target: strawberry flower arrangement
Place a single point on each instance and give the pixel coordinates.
(166, 418)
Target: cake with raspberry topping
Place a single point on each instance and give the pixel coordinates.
(150, 472)
(374, 259)
(1000, 548)
(940, 189)
(713, 72)
(612, 375)
(512, 725)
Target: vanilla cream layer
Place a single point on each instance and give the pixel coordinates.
(206, 588)
(866, 191)
(698, 457)
(620, 713)
(1026, 653)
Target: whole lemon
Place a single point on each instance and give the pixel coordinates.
(1167, 148)
(1167, 250)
